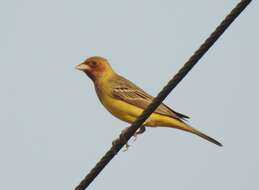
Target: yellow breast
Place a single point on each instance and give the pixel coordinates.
(129, 113)
(120, 109)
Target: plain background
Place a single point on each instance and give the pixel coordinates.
(53, 128)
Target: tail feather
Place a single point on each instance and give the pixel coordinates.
(202, 135)
(172, 122)
(190, 129)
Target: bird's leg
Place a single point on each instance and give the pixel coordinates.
(141, 130)
(123, 138)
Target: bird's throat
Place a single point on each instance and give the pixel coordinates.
(90, 75)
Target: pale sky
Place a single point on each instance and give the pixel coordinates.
(54, 129)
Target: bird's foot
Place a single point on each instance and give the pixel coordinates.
(126, 147)
(122, 138)
(141, 130)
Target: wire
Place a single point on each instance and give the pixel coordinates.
(163, 94)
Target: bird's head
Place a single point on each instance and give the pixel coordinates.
(95, 67)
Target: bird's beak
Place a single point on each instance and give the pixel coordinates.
(82, 67)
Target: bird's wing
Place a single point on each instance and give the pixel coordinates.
(126, 91)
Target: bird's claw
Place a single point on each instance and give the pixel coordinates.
(126, 147)
(141, 130)
(122, 138)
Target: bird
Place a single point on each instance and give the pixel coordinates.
(126, 101)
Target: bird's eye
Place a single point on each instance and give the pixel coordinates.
(93, 63)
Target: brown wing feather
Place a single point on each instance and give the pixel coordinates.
(127, 91)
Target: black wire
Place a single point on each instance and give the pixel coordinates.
(163, 94)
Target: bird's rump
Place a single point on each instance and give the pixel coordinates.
(126, 91)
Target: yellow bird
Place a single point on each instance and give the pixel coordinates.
(126, 101)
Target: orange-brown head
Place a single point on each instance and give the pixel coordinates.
(95, 67)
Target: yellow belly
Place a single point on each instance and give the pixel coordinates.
(128, 113)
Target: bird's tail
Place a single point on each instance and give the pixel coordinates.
(184, 126)
(202, 135)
